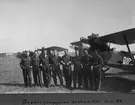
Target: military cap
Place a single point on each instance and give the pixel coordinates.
(43, 48)
(23, 54)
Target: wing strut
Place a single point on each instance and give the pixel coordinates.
(125, 38)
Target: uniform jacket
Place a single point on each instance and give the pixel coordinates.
(44, 60)
(25, 63)
(86, 60)
(77, 61)
(97, 59)
(56, 60)
(35, 61)
(51, 59)
(66, 61)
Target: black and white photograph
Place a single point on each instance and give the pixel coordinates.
(67, 46)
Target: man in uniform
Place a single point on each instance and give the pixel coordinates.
(51, 55)
(66, 62)
(97, 70)
(77, 67)
(25, 64)
(56, 68)
(87, 74)
(36, 69)
(44, 62)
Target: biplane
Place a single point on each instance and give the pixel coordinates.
(125, 37)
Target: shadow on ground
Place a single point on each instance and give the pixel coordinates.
(22, 85)
(12, 84)
(117, 84)
(109, 84)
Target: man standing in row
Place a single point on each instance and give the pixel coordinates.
(87, 74)
(97, 70)
(44, 62)
(56, 68)
(66, 62)
(77, 68)
(51, 55)
(36, 69)
(25, 64)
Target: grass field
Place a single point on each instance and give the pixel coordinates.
(11, 80)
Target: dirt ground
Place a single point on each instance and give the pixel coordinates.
(11, 80)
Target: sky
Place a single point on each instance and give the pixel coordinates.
(30, 24)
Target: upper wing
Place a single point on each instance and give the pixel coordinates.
(56, 48)
(117, 38)
(77, 43)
